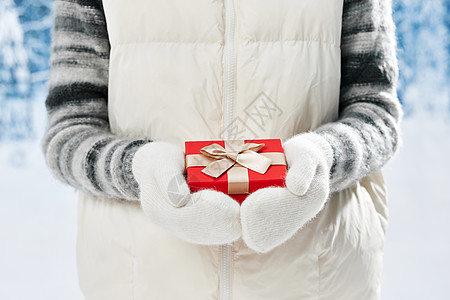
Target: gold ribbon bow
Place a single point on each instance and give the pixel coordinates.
(225, 158)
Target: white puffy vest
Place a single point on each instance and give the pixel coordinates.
(234, 69)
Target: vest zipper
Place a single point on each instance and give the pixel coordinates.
(226, 253)
(229, 67)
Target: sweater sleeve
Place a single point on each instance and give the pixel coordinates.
(367, 132)
(79, 147)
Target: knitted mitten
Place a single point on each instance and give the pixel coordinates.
(271, 216)
(205, 217)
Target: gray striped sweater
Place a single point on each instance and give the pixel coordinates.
(81, 151)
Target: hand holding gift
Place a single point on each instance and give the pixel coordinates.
(271, 216)
(278, 202)
(205, 217)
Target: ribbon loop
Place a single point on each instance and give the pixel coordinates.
(244, 154)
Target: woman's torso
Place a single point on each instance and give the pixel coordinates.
(182, 70)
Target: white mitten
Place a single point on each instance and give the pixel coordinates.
(271, 216)
(205, 217)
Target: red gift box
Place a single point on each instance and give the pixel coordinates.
(241, 176)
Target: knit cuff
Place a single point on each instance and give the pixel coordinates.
(348, 154)
(126, 182)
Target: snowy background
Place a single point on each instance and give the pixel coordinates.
(38, 215)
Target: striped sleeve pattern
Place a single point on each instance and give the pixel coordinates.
(367, 133)
(79, 148)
